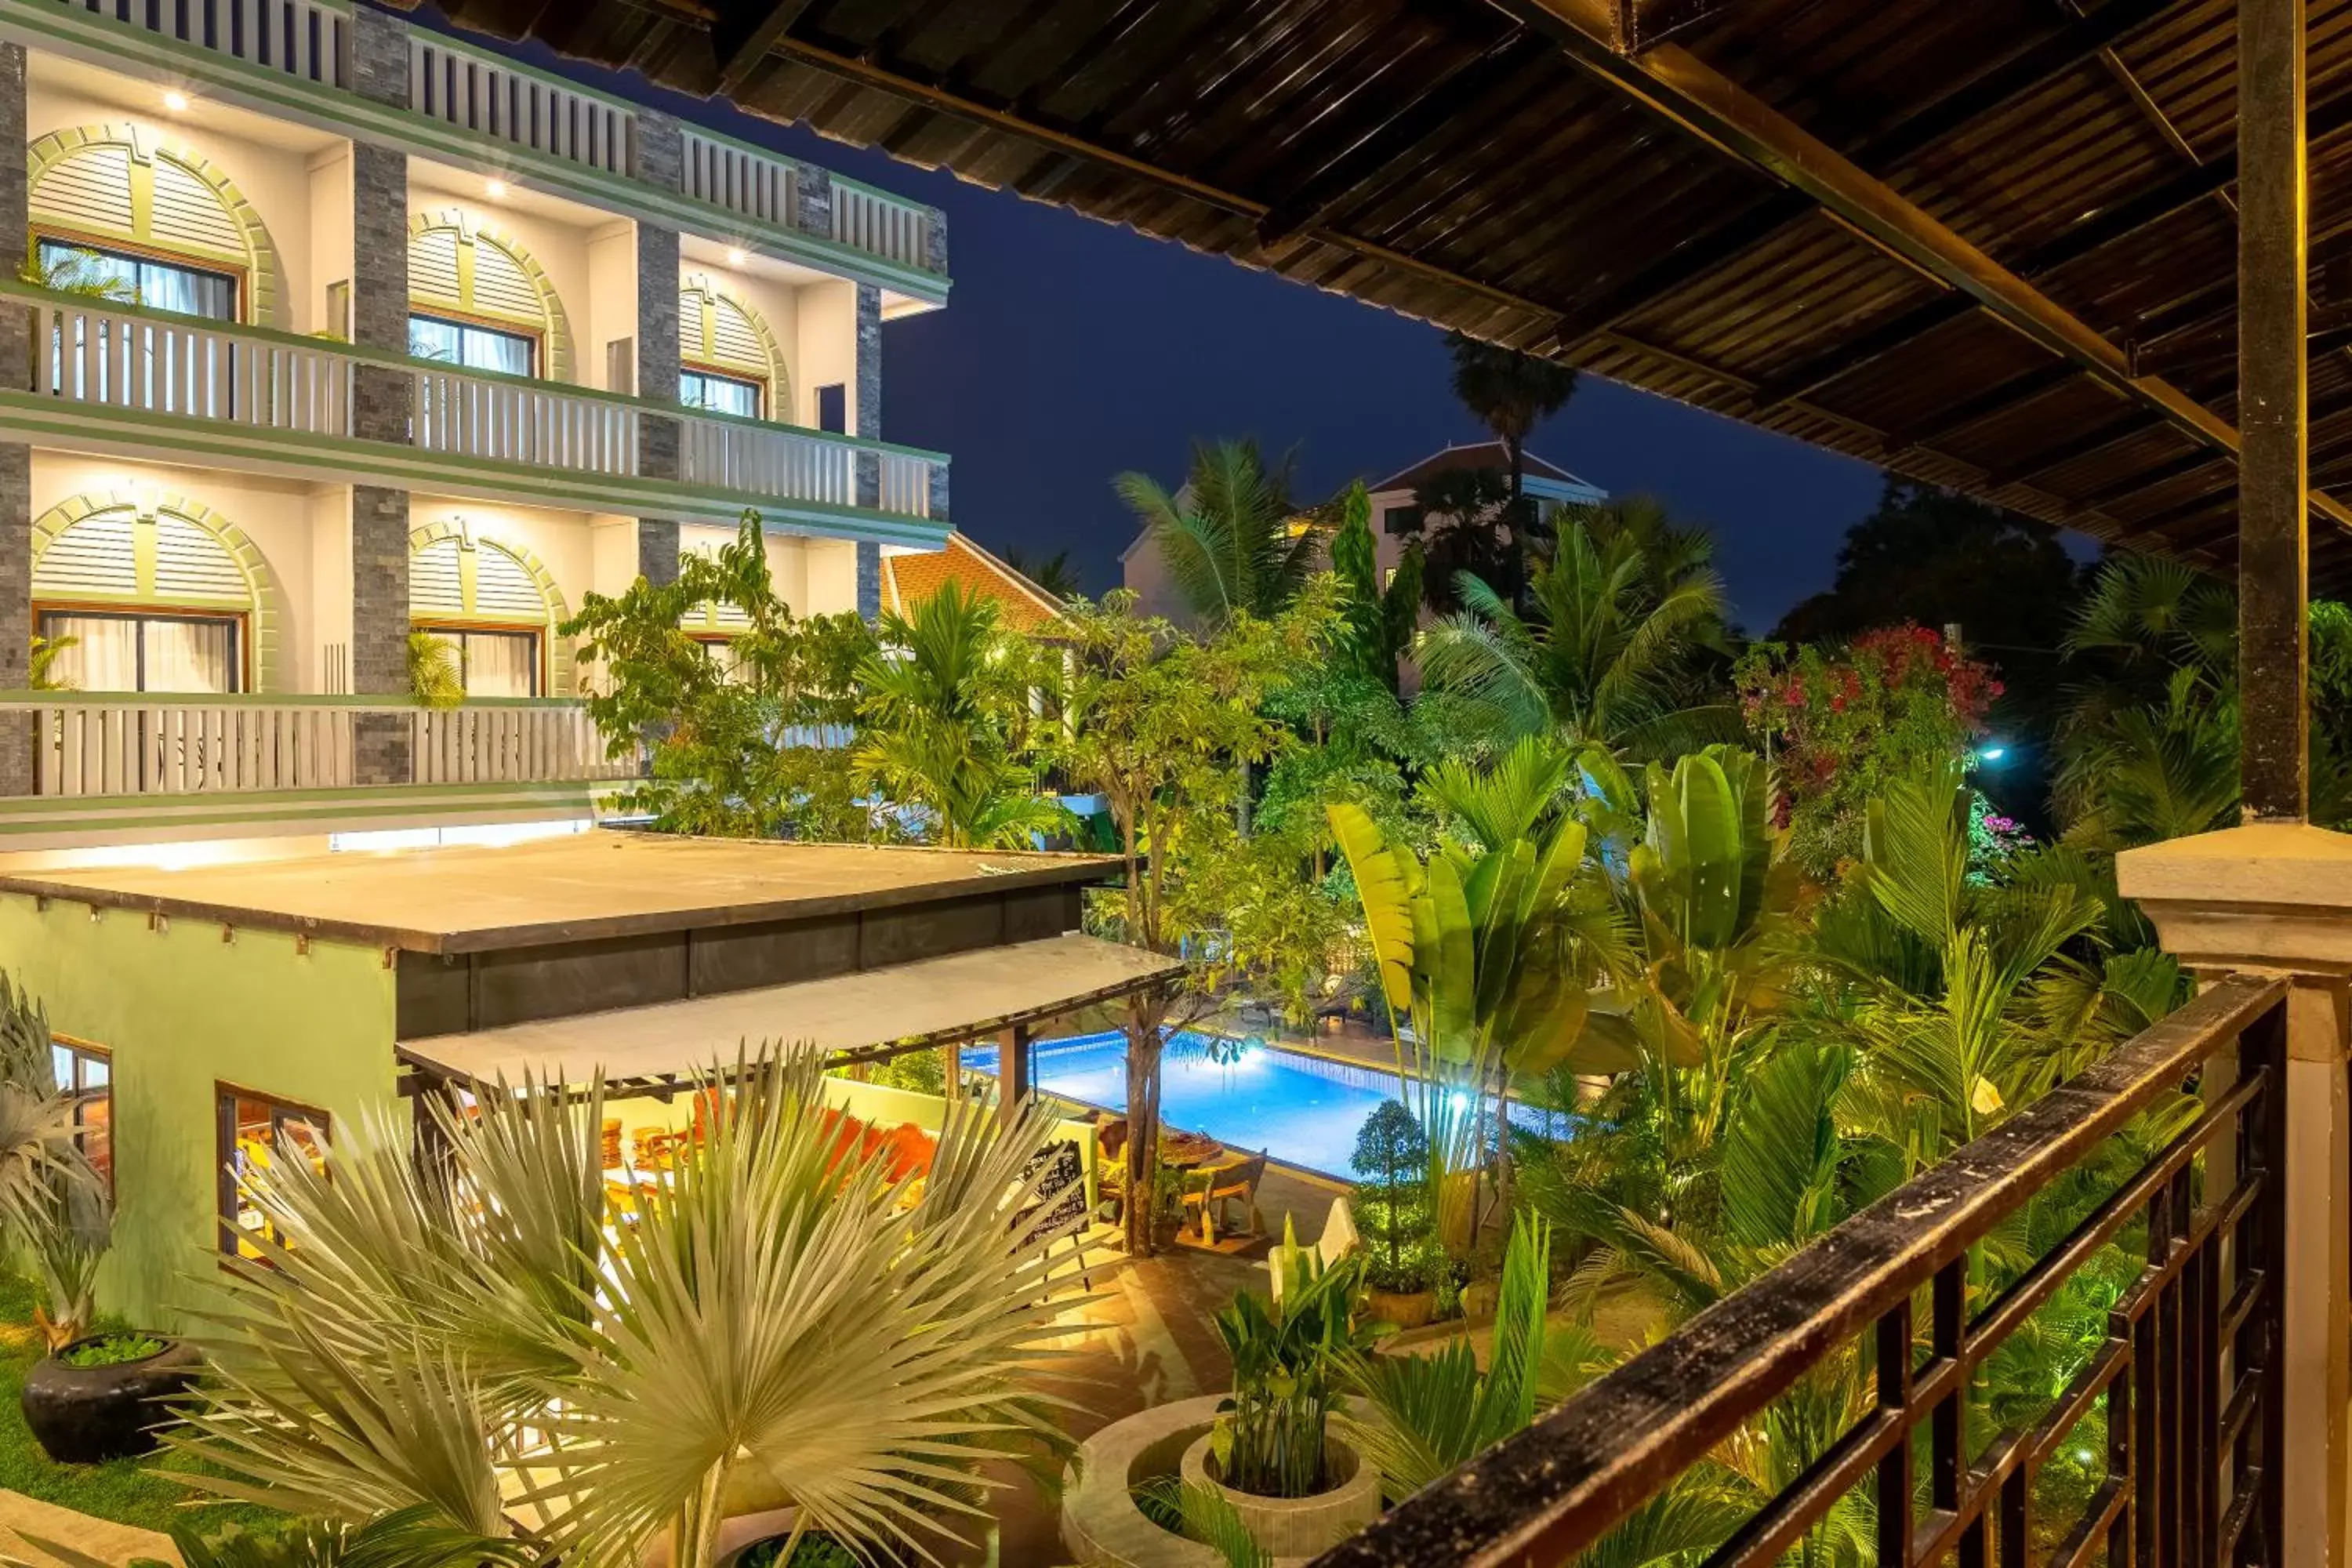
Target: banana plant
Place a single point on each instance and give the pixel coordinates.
(1482, 948)
(1707, 893)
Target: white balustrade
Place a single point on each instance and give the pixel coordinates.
(539, 423)
(754, 184)
(511, 745)
(889, 228)
(493, 97)
(196, 745)
(778, 463)
(191, 366)
(183, 746)
(303, 39)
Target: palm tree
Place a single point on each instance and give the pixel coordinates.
(1510, 393)
(1053, 574)
(477, 1338)
(939, 695)
(1231, 539)
(1607, 648)
(54, 1207)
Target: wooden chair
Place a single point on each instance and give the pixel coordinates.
(1211, 1188)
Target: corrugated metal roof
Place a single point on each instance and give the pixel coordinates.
(1453, 161)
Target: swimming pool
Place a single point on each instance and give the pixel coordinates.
(1302, 1109)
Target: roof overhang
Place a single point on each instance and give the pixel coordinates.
(869, 1015)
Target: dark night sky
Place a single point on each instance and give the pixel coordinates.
(1071, 350)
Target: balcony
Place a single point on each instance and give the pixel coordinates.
(272, 401)
(134, 766)
(481, 110)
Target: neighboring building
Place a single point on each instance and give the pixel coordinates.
(221, 1017)
(1395, 513)
(909, 579)
(396, 335)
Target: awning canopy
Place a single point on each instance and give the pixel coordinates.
(869, 1015)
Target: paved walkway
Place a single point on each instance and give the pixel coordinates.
(109, 1543)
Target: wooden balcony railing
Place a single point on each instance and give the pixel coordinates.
(93, 351)
(2185, 1380)
(93, 744)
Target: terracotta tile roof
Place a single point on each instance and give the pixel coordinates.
(909, 579)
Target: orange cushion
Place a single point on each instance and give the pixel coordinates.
(910, 1150)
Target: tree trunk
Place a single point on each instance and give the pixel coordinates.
(1144, 1013)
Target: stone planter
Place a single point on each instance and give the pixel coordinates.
(1296, 1529)
(1101, 1524)
(1479, 1299)
(87, 1415)
(1412, 1309)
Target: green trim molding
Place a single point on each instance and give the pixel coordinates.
(265, 598)
(101, 40)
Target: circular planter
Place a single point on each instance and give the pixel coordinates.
(1412, 1309)
(87, 1415)
(1298, 1527)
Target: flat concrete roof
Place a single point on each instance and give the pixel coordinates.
(930, 1002)
(475, 898)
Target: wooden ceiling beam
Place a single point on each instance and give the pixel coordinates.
(2029, 68)
(743, 35)
(1684, 92)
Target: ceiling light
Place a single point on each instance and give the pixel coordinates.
(737, 256)
(498, 189)
(175, 100)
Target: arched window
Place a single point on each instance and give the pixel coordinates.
(729, 360)
(476, 298)
(153, 600)
(492, 603)
(113, 207)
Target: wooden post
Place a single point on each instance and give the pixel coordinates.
(1012, 1070)
(952, 1086)
(2273, 502)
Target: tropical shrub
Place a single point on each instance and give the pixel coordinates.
(54, 1209)
(1844, 723)
(1393, 1211)
(481, 1340)
(1289, 1359)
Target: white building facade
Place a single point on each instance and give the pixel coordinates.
(332, 329)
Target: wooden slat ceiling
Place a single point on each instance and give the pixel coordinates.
(1564, 175)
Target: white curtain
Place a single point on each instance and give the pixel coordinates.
(104, 656)
(183, 655)
(720, 393)
(476, 348)
(190, 656)
(500, 664)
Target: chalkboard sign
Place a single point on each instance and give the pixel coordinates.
(1060, 1209)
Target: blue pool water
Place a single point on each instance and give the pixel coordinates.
(1302, 1109)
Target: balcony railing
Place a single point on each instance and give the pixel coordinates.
(741, 179)
(1901, 1304)
(89, 745)
(305, 39)
(894, 230)
(500, 100)
(93, 352)
(493, 96)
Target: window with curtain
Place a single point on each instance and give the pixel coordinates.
(87, 1073)
(475, 347)
(495, 663)
(158, 285)
(130, 651)
(720, 393)
(254, 1131)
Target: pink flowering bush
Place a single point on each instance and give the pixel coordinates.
(1840, 723)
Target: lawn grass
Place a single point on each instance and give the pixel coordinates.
(128, 1491)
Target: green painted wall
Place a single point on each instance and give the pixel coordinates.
(181, 1010)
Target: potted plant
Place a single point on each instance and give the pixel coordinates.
(812, 1550)
(1272, 1453)
(1395, 1218)
(95, 1395)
